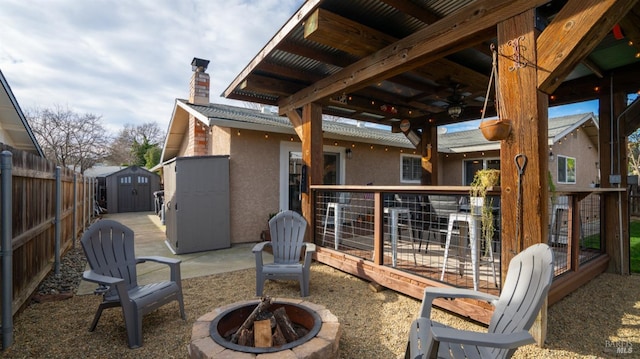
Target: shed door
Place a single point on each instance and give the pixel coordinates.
(134, 193)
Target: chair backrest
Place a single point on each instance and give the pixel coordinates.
(287, 235)
(109, 248)
(443, 205)
(344, 197)
(528, 280)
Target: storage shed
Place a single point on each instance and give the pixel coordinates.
(131, 190)
(197, 203)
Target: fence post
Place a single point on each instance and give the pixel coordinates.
(6, 249)
(57, 220)
(75, 208)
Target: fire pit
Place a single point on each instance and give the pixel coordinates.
(210, 335)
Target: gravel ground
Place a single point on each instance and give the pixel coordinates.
(590, 323)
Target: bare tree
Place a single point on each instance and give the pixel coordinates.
(70, 139)
(132, 143)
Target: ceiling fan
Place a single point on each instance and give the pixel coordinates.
(456, 103)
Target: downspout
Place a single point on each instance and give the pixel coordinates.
(6, 251)
(619, 182)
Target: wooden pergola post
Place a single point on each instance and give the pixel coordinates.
(613, 160)
(312, 157)
(524, 192)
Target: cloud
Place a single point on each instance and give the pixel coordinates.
(128, 60)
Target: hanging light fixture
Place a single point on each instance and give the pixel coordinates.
(455, 108)
(454, 111)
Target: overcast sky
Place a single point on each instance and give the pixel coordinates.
(128, 61)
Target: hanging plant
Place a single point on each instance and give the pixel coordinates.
(483, 181)
(495, 129)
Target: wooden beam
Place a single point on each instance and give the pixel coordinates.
(296, 121)
(413, 10)
(524, 185)
(572, 35)
(592, 87)
(630, 25)
(446, 36)
(269, 85)
(304, 11)
(354, 38)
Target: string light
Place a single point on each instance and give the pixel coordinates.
(335, 143)
(238, 133)
(266, 135)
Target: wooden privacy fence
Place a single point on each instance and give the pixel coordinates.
(43, 225)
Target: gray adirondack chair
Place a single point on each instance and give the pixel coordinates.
(287, 230)
(528, 280)
(109, 248)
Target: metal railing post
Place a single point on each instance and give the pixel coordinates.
(6, 249)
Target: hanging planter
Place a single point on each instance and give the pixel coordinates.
(500, 128)
(495, 130)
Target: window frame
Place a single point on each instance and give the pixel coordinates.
(402, 174)
(485, 165)
(568, 177)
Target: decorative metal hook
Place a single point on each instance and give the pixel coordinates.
(518, 63)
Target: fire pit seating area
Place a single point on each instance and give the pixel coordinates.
(266, 328)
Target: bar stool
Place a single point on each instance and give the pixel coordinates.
(474, 223)
(395, 213)
(339, 211)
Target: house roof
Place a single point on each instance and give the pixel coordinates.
(246, 118)
(382, 61)
(251, 119)
(473, 140)
(13, 125)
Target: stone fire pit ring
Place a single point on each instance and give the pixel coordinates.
(323, 345)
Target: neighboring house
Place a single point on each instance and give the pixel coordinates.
(573, 153)
(265, 154)
(14, 129)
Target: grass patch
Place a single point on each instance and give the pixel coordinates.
(634, 234)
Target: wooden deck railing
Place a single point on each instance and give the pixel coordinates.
(355, 231)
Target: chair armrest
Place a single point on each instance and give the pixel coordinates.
(174, 265)
(259, 247)
(309, 247)
(491, 340)
(431, 293)
(94, 277)
(158, 259)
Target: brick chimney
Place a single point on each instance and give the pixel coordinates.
(199, 88)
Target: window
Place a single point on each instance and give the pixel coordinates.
(566, 169)
(473, 166)
(411, 169)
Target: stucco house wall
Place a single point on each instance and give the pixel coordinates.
(255, 169)
(578, 146)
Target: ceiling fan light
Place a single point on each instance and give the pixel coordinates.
(454, 111)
